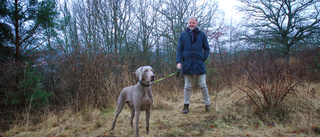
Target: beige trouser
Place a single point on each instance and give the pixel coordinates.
(202, 83)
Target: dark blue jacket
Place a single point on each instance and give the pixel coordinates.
(192, 55)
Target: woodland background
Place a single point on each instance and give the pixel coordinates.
(58, 56)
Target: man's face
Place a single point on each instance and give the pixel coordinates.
(192, 23)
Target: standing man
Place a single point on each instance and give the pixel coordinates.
(192, 51)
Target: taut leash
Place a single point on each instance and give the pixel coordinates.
(177, 72)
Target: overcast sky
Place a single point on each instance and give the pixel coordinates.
(228, 6)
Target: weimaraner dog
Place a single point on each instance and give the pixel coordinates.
(139, 97)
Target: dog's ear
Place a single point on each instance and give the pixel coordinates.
(139, 73)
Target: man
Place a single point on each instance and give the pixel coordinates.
(192, 51)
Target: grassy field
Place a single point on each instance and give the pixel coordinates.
(231, 115)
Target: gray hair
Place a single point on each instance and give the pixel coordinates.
(193, 17)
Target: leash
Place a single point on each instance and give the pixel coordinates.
(177, 72)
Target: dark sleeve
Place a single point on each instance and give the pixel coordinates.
(179, 49)
(206, 47)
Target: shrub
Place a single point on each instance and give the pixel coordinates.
(267, 88)
(30, 90)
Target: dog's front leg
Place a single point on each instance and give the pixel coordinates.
(147, 120)
(137, 114)
(132, 116)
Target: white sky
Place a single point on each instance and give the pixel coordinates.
(228, 6)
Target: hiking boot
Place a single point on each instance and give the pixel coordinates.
(207, 108)
(185, 109)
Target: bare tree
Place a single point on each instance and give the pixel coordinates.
(282, 22)
(144, 27)
(174, 22)
(67, 27)
(85, 12)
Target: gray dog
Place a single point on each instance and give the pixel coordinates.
(139, 97)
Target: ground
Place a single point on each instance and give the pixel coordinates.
(224, 119)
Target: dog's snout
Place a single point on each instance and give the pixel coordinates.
(152, 77)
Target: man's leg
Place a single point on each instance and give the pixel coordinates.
(187, 92)
(204, 90)
(187, 88)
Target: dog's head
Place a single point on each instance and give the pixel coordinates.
(145, 73)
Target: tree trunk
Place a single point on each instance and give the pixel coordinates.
(17, 39)
(286, 55)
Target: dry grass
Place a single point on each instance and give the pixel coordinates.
(231, 115)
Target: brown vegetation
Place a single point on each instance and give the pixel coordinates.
(233, 118)
(252, 95)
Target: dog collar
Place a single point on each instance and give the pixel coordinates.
(143, 84)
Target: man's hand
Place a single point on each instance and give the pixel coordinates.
(179, 66)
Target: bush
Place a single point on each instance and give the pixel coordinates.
(267, 88)
(32, 87)
(29, 92)
(21, 91)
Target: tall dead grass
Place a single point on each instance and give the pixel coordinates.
(88, 79)
(266, 82)
(85, 82)
(234, 118)
(169, 89)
